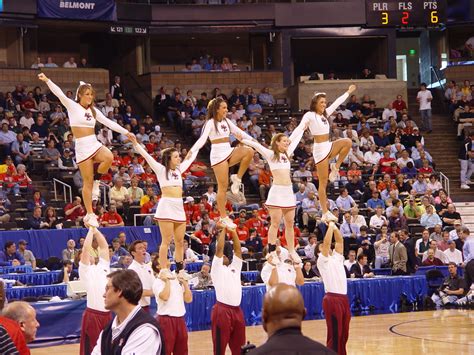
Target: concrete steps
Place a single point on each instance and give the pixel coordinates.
(466, 209)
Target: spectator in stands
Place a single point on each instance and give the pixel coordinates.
(381, 251)
(351, 260)
(350, 231)
(10, 256)
(36, 221)
(70, 252)
(424, 99)
(412, 210)
(74, 211)
(375, 201)
(361, 269)
(355, 187)
(450, 216)
(83, 63)
(71, 63)
(37, 64)
(21, 150)
(189, 255)
(119, 193)
(203, 277)
(254, 108)
(50, 63)
(36, 201)
(41, 127)
(437, 254)
(66, 162)
(345, 202)
(443, 243)
(310, 208)
(399, 105)
(367, 74)
(430, 219)
(51, 218)
(420, 185)
(25, 315)
(138, 251)
(308, 272)
(4, 204)
(378, 219)
(7, 137)
(68, 273)
(112, 218)
(135, 193)
(356, 218)
(265, 98)
(264, 181)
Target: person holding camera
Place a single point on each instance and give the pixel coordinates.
(451, 290)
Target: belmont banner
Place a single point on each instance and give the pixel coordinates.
(99, 10)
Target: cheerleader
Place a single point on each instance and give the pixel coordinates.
(89, 151)
(218, 129)
(281, 201)
(317, 119)
(170, 213)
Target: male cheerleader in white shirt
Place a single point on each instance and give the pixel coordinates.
(171, 294)
(93, 273)
(335, 302)
(227, 318)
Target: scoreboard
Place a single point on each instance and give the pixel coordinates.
(414, 13)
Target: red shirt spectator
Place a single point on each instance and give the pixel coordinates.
(112, 218)
(242, 232)
(148, 206)
(150, 147)
(385, 168)
(74, 210)
(205, 239)
(399, 104)
(197, 169)
(117, 160)
(255, 223)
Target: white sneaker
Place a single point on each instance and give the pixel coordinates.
(328, 217)
(236, 182)
(90, 220)
(96, 190)
(183, 275)
(166, 273)
(295, 257)
(334, 174)
(228, 222)
(465, 186)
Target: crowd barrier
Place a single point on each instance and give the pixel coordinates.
(45, 243)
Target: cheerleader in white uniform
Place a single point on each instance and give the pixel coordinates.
(317, 120)
(89, 151)
(170, 211)
(281, 201)
(218, 129)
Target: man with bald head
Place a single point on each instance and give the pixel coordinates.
(283, 313)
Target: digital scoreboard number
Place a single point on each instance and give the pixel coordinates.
(415, 13)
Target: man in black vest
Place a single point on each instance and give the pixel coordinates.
(132, 331)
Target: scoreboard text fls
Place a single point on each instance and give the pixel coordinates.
(415, 13)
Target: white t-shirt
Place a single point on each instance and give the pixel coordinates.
(332, 272)
(145, 273)
(174, 307)
(376, 221)
(372, 158)
(226, 280)
(27, 122)
(286, 274)
(348, 264)
(453, 256)
(423, 96)
(94, 278)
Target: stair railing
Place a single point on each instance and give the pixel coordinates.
(445, 182)
(66, 188)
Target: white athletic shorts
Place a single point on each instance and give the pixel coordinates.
(170, 209)
(321, 151)
(220, 152)
(86, 148)
(281, 196)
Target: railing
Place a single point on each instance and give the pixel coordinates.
(140, 215)
(66, 187)
(437, 75)
(445, 182)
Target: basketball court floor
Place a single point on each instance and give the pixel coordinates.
(430, 332)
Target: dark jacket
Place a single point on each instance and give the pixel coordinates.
(465, 147)
(291, 341)
(355, 269)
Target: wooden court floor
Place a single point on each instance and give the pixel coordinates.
(431, 332)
